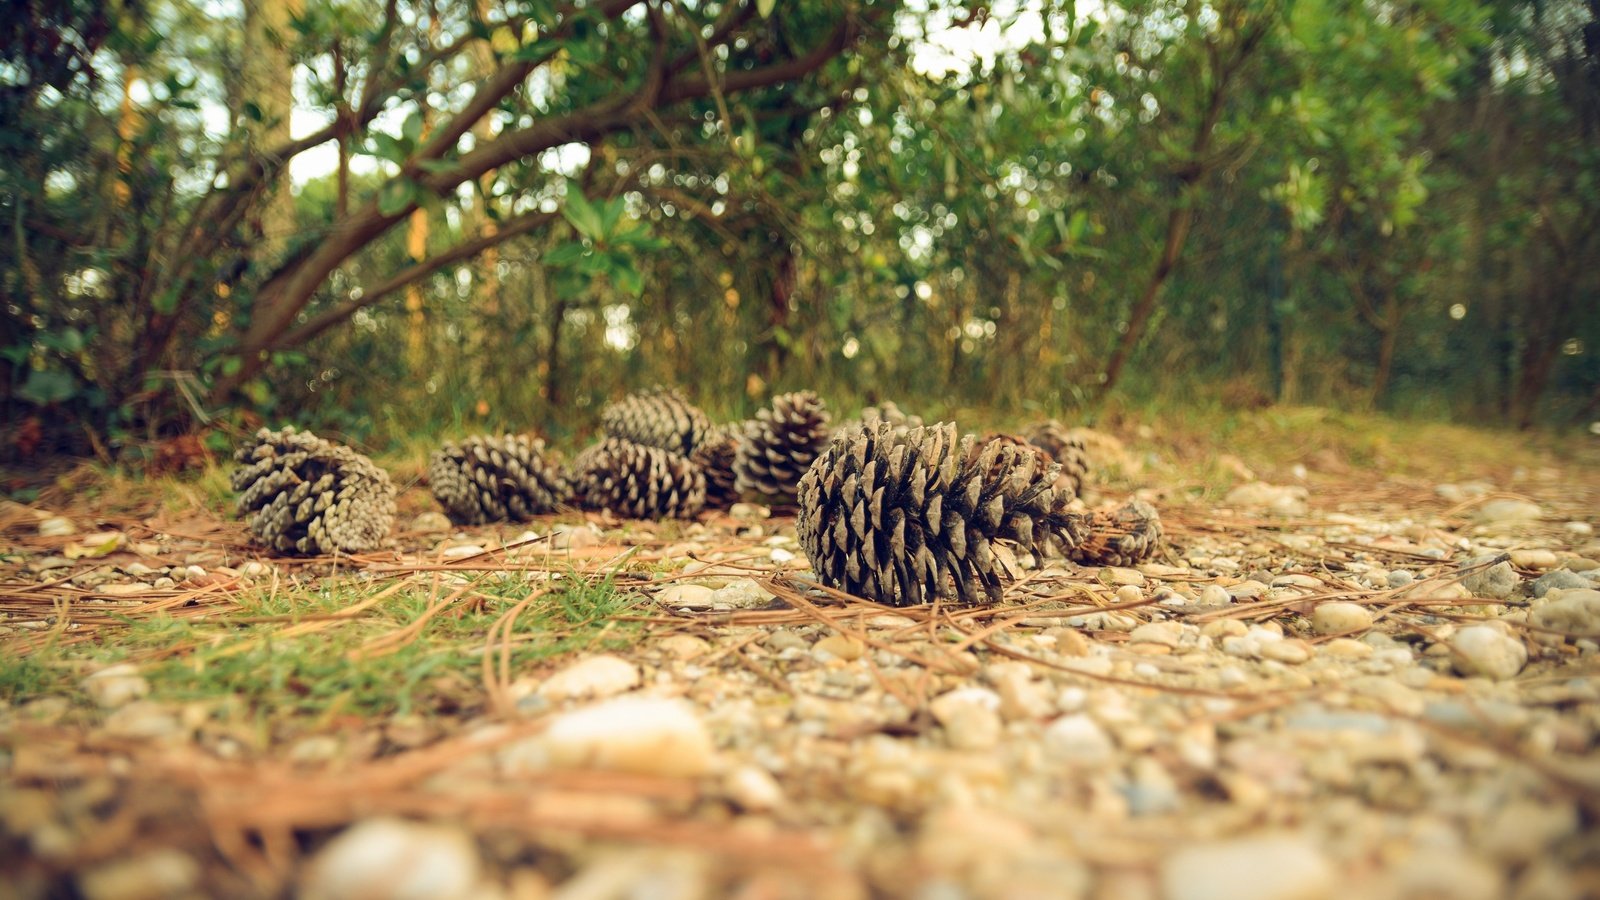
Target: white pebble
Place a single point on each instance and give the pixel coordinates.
(1078, 739)
(753, 789)
(114, 686)
(393, 859)
(1340, 618)
(970, 717)
(57, 526)
(595, 676)
(643, 735)
(1215, 595)
(1267, 867)
(1486, 650)
(686, 596)
(158, 873)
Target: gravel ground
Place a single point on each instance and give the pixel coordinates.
(1341, 688)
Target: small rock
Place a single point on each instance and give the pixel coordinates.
(1560, 579)
(156, 874)
(742, 594)
(1538, 560)
(837, 646)
(1246, 590)
(1267, 867)
(125, 590)
(1166, 633)
(1398, 578)
(114, 686)
(255, 569)
(754, 789)
(431, 522)
(643, 735)
(1347, 648)
(683, 646)
(1152, 790)
(393, 859)
(1578, 529)
(1437, 872)
(144, 719)
(751, 512)
(1121, 575)
(573, 537)
(1507, 511)
(1078, 739)
(1292, 652)
(686, 596)
(1272, 498)
(1523, 830)
(1496, 581)
(1340, 618)
(462, 551)
(1215, 595)
(57, 526)
(1576, 611)
(970, 717)
(596, 676)
(1486, 650)
(138, 569)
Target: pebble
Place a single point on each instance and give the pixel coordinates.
(683, 646)
(1078, 739)
(1123, 576)
(1578, 529)
(138, 569)
(1340, 618)
(594, 676)
(1265, 867)
(57, 526)
(686, 596)
(1487, 651)
(1446, 872)
(1166, 633)
(394, 859)
(1246, 590)
(462, 551)
(1292, 652)
(642, 735)
(1398, 578)
(741, 594)
(1560, 579)
(1523, 830)
(255, 569)
(1571, 611)
(144, 719)
(431, 522)
(1347, 648)
(838, 646)
(1535, 559)
(116, 685)
(1274, 499)
(1497, 581)
(1215, 595)
(148, 876)
(753, 789)
(970, 717)
(1507, 511)
(125, 590)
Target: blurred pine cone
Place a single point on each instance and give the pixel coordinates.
(715, 456)
(486, 478)
(888, 412)
(637, 481)
(657, 418)
(1126, 537)
(302, 494)
(904, 518)
(1065, 448)
(779, 444)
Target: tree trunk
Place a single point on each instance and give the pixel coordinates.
(1389, 336)
(1178, 222)
(267, 71)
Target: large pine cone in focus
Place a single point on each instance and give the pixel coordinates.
(903, 518)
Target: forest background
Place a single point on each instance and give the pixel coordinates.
(400, 217)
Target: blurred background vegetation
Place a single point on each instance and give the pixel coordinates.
(396, 217)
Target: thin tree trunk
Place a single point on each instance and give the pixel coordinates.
(1388, 337)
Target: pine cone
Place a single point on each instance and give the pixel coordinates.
(495, 479)
(638, 482)
(303, 494)
(780, 443)
(1065, 448)
(657, 418)
(888, 412)
(1126, 537)
(901, 518)
(715, 456)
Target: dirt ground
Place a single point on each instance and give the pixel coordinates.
(1370, 676)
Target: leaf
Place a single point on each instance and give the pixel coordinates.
(581, 213)
(412, 129)
(610, 213)
(565, 255)
(396, 197)
(96, 545)
(47, 386)
(628, 280)
(765, 7)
